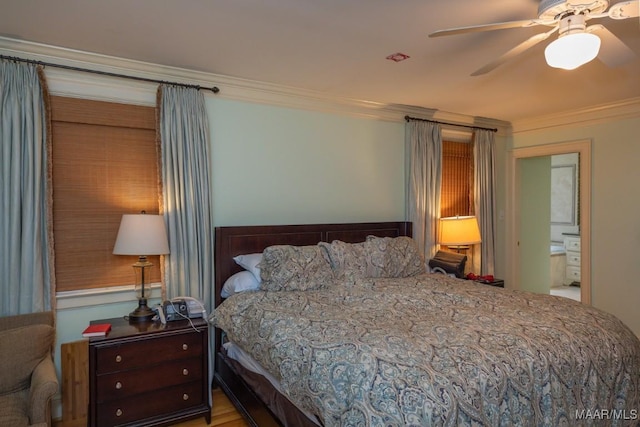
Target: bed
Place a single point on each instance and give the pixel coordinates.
(409, 349)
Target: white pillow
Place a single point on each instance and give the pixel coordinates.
(250, 263)
(239, 282)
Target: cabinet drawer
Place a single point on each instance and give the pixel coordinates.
(573, 274)
(573, 258)
(139, 407)
(572, 244)
(117, 385)
(145, 352)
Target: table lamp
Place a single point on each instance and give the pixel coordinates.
(459, 232)
(141, 235)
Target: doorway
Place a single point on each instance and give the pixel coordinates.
(520, 239)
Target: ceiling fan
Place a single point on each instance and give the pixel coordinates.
(576, 44)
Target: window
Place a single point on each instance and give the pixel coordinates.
(456, 196)
(104, 165)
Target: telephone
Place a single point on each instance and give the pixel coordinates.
(180, 308)
(448, 263)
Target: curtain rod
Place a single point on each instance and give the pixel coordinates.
(213, 89)
(407, 118)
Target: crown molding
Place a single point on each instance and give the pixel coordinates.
(450, 120)
(114, 89)
(603, 113)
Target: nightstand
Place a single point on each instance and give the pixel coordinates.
(149, 374)
(499, 283)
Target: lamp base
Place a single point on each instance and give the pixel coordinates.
(141, 314)
(459, 248)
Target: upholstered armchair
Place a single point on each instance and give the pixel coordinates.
(28, 378)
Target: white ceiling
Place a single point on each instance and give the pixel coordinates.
(339, 47)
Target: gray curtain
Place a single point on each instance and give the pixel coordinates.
(186, 194)
(423, 142)
(484, 196)
(184, 147)
(26, 255)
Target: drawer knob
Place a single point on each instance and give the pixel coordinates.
(118, 358)
(185, 372)
(118, 412)
(118, 385)
(185, 347)
(185, 396)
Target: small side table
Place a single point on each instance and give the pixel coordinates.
(149, 374)
(499, 283)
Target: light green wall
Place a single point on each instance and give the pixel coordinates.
(615, 207)
(274, 165)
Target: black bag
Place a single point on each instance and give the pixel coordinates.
(451, 263)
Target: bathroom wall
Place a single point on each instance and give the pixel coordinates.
(564, 196)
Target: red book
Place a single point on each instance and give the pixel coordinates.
(97, 330)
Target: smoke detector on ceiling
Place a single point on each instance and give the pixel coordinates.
(397, 57)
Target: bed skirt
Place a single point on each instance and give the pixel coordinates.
(255, 398)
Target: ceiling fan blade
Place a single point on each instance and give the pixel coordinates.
(527, 44)
(622, 10)
(625, 9)
(613, 51)
(490, 27)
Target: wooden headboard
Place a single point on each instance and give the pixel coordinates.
(233, 241)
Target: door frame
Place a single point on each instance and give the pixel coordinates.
(583, 147)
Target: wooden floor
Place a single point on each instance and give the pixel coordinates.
(223, 414)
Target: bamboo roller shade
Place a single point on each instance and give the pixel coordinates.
(104, 165)
(456, 196)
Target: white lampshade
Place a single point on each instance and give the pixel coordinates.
(141, 234)
(459, 231)
(572, 50)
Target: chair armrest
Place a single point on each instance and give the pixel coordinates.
(44, 385)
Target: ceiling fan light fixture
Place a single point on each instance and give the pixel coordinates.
(572, 50)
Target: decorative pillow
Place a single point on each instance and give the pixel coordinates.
(239, 282)
(21, 349)
(347, 260)
(393, 257)
(294, 268)
(250, 263)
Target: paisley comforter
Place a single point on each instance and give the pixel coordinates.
(433, 350)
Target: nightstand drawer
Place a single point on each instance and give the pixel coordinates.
(144, 406)
(118, 385)
(146, 352)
